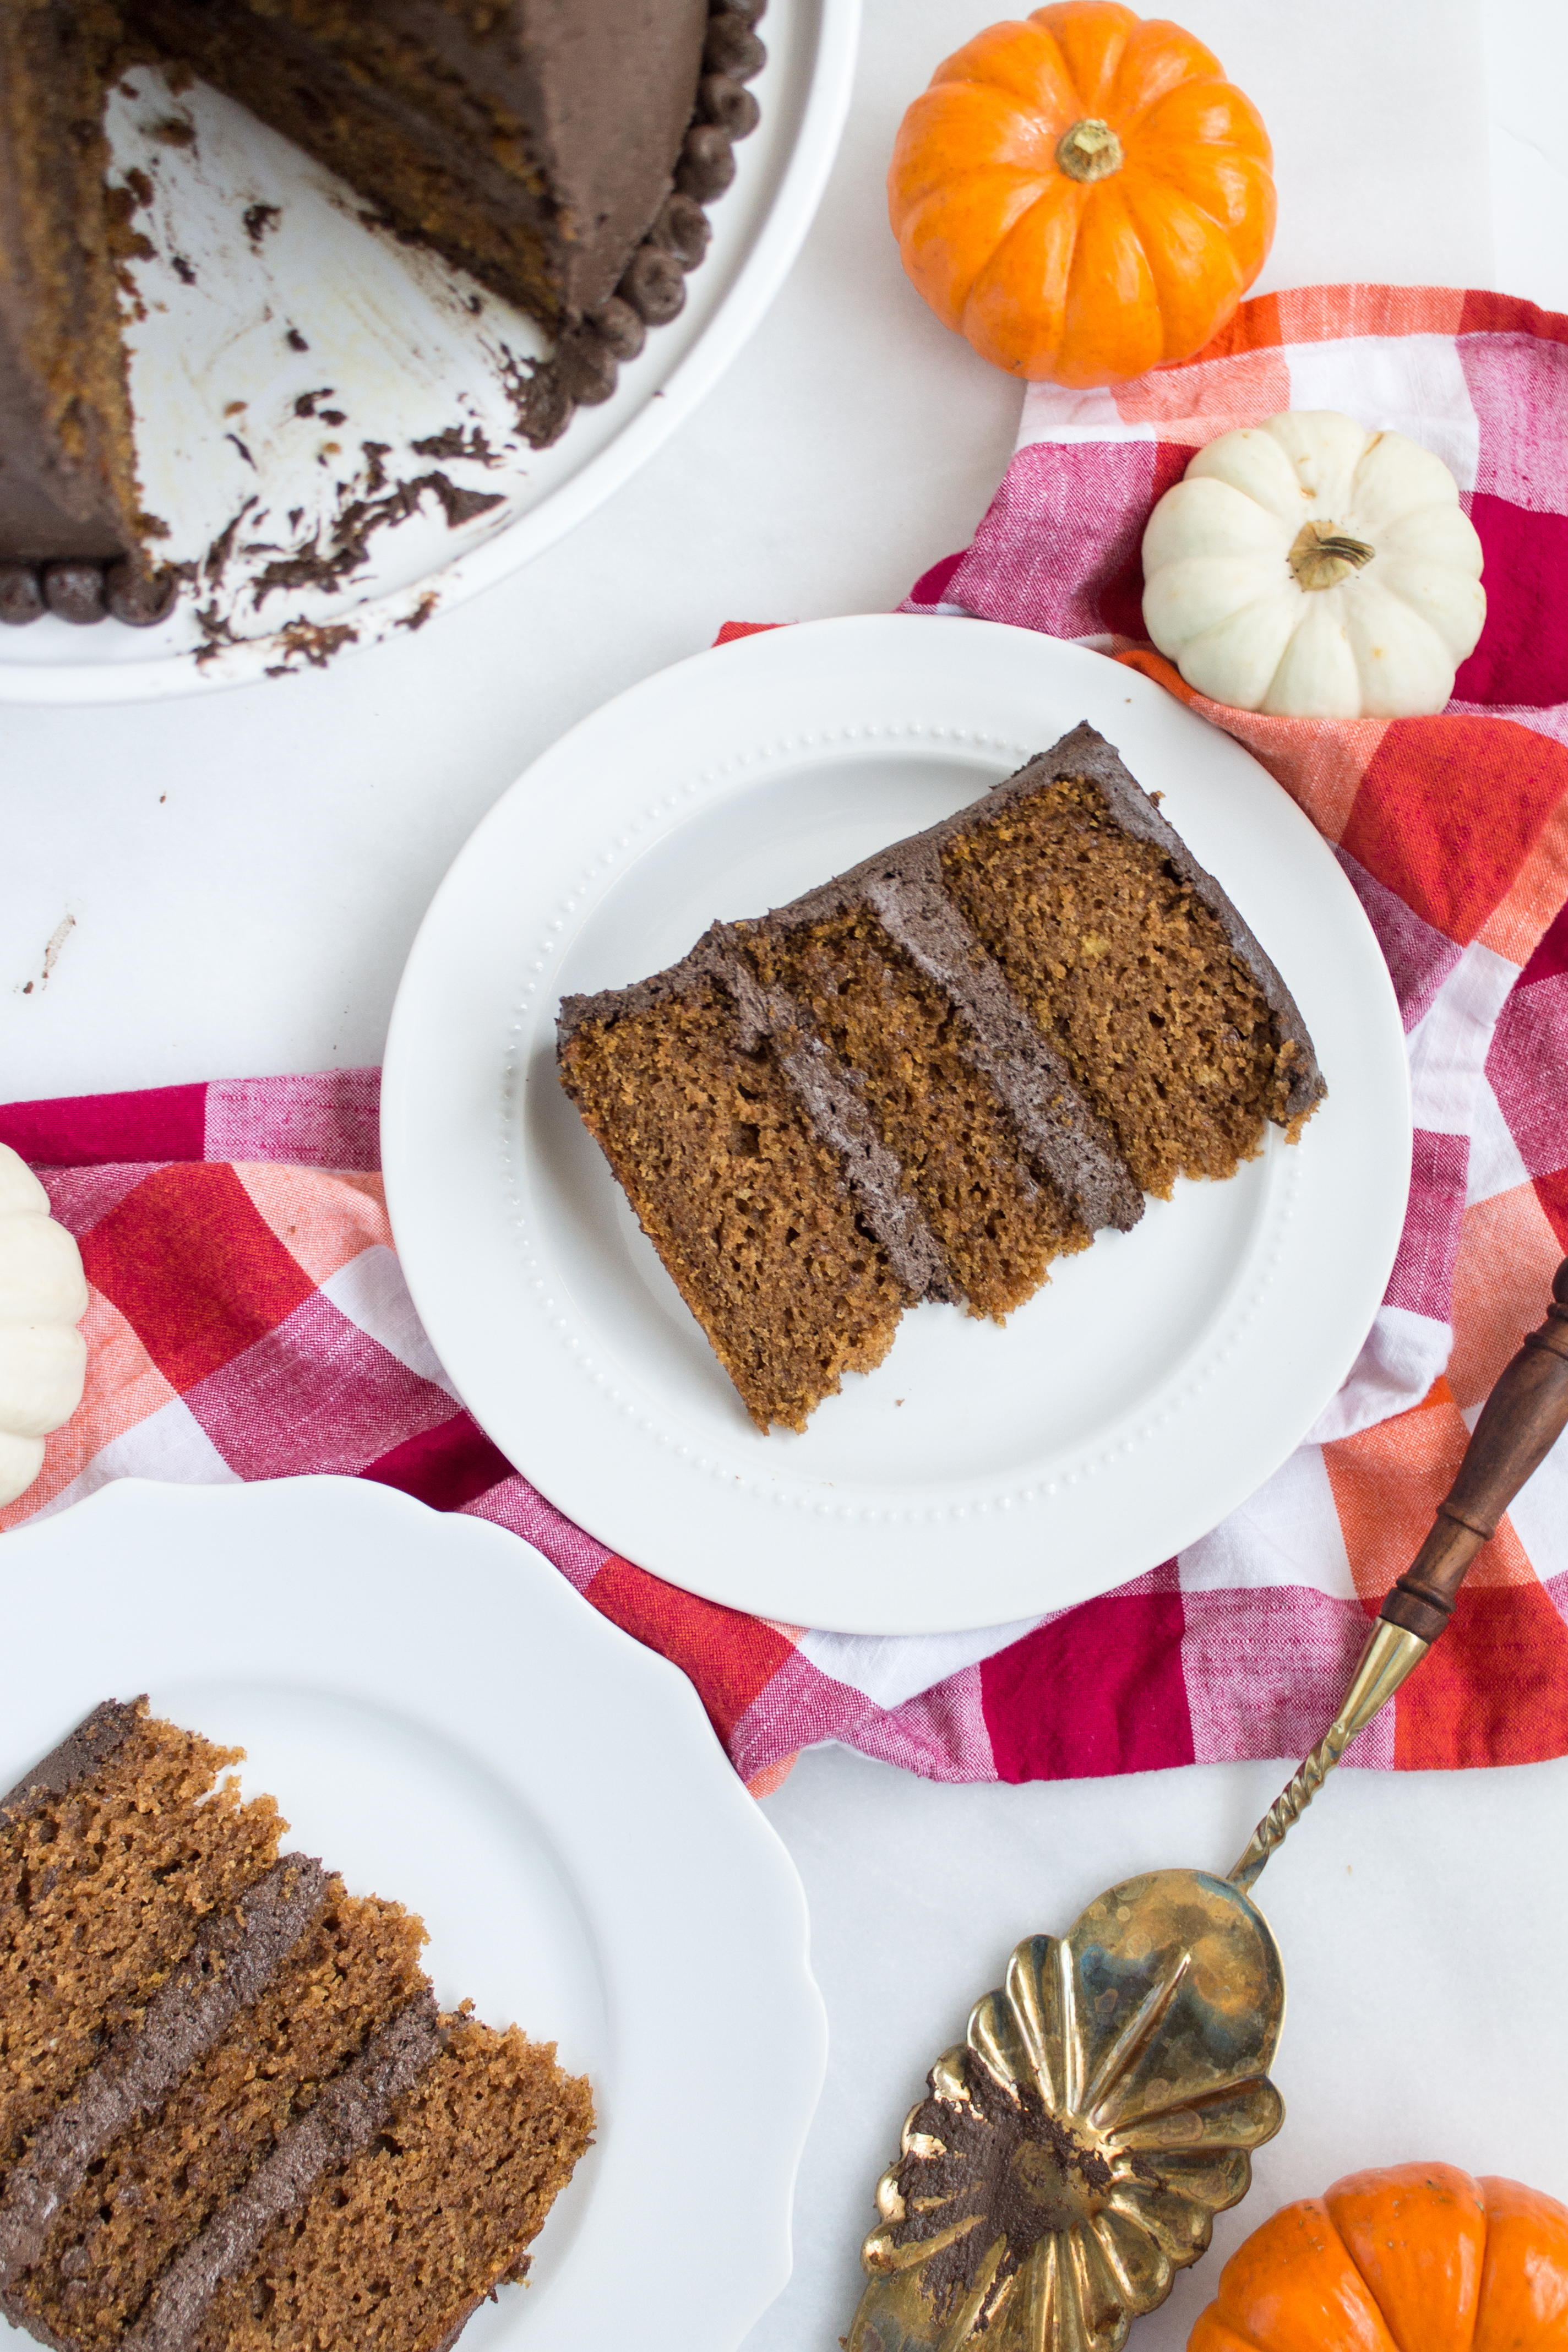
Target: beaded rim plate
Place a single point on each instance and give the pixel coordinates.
(449, 1725)
(979, 1475)
(249, 237)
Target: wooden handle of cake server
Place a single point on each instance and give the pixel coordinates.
(1521, 1422)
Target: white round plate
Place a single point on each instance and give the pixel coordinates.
(979, 1474)
(253, 243)
(447, 1723)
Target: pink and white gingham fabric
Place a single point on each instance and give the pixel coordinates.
(249, 1318)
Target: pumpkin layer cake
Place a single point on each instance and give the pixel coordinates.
(937, 1074)
(230, 2113)
(561, 150)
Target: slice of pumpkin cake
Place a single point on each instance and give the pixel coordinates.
(933, 1075)
(232, 2112)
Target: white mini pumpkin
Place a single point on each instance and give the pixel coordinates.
(1309, 568)
(43, 1297)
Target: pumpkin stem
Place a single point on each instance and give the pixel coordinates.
(1320, 555)
(1090, 151)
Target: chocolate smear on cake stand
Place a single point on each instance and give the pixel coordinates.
(281, 452)
(1071, 2153)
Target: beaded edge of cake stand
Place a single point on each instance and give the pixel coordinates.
(774, 1488)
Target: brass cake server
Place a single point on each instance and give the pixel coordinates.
(1070, 2155)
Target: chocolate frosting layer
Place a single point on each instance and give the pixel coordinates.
(233, 1958)
(346, 2118)
(1057, 1128)
(827, 1095)
(82, 1753)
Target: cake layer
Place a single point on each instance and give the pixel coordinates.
(740, 1193)
(397, 2249)
(344, 2122)
(1134, 964)
(912, 1050)
(237, 1955)
(68, 485)
(112, 1854)
(156, 2184)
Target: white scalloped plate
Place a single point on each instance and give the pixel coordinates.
(216, 385)
(979, 1474)
(445, 1722)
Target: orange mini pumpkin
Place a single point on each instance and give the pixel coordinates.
(1084, 194)
(1414, 2258)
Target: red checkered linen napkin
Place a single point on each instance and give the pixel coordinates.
(249, 1318)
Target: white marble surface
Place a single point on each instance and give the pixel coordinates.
(1421, 1918)
(243, 876)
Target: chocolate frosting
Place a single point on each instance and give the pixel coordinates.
(998, 2165)
(604, 91)
(349, 2113)
(614, 84)
(233, 1958)
(826, 1094)
(81, 1754)
(1058, 1132)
